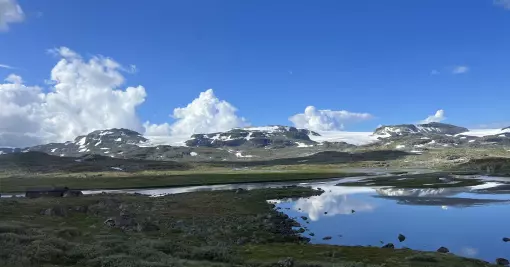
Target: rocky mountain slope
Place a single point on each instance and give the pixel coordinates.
(271, 142)
(271, 137)
(428, 128)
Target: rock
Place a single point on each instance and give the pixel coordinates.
(389, 245)
(502, 262)
(73, 193)
(506, 239)
(288, 262)
(82, 209)
(55, 211)
(325, 212)
(443, 250)
(304, 218)
(110, 222)
(401, 237)
(353, 211)
(147, 227)
(241, 241)
(311, 234)
(327, 238)
(240, 190)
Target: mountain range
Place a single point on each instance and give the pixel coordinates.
(270, 142)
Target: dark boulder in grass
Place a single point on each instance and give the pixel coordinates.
(288, 262)
(389, 245)
(502, 262)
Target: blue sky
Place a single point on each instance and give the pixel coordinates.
(271, 59)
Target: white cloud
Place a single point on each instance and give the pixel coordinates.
(13, 78)
(438, 117)
(4, 66)
(85, 97)
(503, 3)
(326, 120)
(204, 114)
(460, 69)
(10, 12)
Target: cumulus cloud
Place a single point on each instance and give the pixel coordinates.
(204, 114)
(437, 117)
(10, 12)
(326, 120)
(85, 96)
(503, 3)
(13, 78)
(460, 69)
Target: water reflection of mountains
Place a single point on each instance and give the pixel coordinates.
(432, 197)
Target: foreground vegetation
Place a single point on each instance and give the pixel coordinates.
(154, 180)
(222, 228)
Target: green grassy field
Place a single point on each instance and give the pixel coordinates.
(153, 180)
(221, 228)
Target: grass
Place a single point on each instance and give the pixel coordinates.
(149, 180)
(220, 228)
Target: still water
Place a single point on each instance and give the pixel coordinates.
(469, 221)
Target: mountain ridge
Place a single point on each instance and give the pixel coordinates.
(276, 141)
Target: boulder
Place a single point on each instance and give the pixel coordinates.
(55, 211)
(304, 218)
(443, 250)
(389, 245)
(327, 238)
(240, 190)
(288, 262)
(110, 222)
(72, 193)
(506, 239)
(502, 262)
(401, 237)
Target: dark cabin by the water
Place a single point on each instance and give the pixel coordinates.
(46, 192)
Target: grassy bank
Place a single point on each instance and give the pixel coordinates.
(152, 180)
(221, 228)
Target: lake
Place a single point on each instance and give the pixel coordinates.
(469, 221)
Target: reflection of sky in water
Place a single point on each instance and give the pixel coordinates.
(475, 231)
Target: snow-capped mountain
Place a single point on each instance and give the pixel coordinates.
(255, 143)
(428, 128)
(270, 136)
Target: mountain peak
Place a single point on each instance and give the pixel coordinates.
(426, 128)
(265, 136)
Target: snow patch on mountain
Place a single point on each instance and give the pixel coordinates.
(485, 132)
(354, 138)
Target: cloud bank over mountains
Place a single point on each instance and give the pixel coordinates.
(326, 120)
(87, 94)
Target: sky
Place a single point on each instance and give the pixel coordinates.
(173, 68)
